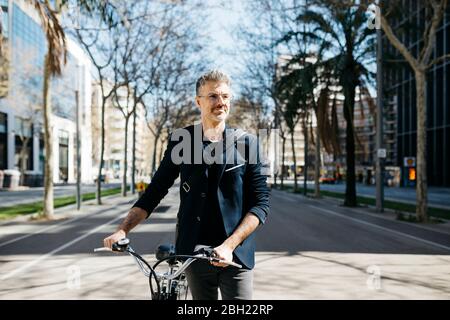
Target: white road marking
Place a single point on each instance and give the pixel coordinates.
(41, 230)
(41, 258)
(47, 228)
(383, 228)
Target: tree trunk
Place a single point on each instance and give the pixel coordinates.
(421, 164)
(133, 165)
(98, 193)
(350, 181)
(155, 146)
(161, 150)
(48, 143)
(23, 162)
(283, 148)
(317, 165)
(305, 167)
(124, 178)
(295, 160)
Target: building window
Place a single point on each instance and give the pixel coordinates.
(63, 155)
(439, 84)
(5, 19)
(41, 153)
(23, 144)
(3, 141)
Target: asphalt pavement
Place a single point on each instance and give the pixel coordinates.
(308, 249)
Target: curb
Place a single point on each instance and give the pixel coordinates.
(29, 216)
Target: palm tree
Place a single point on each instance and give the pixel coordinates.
(55, 58)
(342, 27)
(296, 94)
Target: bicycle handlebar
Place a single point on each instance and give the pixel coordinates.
(202, 253)
(205, 253)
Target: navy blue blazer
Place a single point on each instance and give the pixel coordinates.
(241, 189)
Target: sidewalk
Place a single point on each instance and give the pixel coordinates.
(70, 211)
(10, 198)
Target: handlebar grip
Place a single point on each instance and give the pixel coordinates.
(121, 245)
(102, 249)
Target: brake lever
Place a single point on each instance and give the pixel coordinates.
(212, 256)
(231, 263)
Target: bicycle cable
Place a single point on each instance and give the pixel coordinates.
(152, 272)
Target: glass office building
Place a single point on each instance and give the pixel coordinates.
(399, 85)
(26, 44)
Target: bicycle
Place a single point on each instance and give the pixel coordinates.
(171, 285)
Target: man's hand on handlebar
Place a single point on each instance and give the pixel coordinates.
(115, 237)
(223, 252)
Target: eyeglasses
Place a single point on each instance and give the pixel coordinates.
(214, 97)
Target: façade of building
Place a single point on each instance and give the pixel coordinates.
(21, 130)
(400, 94)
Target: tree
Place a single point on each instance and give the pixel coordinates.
(342, 26)
(131, 48)
(175, 66)
(54, 59)
(260, 53)
(433, 12)
(95, 32)
(304, 70)
(296, 88)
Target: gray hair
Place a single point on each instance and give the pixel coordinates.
(212, 75)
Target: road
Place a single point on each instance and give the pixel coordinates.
(437, 197)
(308, 249)
(10, 198)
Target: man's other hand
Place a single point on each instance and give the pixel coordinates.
(116, 236)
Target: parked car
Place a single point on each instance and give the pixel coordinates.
(102, 178)
(327, 180)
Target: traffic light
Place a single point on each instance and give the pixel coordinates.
(412, 174)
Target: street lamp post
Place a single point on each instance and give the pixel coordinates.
(77, 103)
(305, 171)
(381, 153)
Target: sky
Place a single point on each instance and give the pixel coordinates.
(224, 19)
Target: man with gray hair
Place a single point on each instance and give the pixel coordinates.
(222, 201)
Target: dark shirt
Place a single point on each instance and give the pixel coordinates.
(212, 230)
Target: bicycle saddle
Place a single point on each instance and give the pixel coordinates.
(165, 251)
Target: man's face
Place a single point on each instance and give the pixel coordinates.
(214, 101)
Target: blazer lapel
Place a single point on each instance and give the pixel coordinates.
(230, 156)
